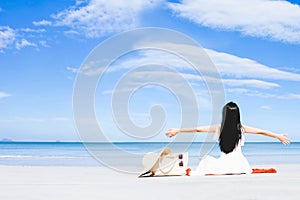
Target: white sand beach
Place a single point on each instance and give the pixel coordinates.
(89, 183)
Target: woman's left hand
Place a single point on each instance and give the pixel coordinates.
(283, 138)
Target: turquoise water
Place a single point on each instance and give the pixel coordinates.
(75, 154)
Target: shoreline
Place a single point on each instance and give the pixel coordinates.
(92, 182)
(128, 142)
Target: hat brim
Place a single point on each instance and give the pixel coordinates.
(150, 159)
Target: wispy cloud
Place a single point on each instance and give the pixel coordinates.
(227, 64)
(235, 71)
(252, 83)
(72, 69)
(231, 65)
(256, 93)
(44, 43)
(4, 94)
(7, 37)
(24, 43)
(277, 20)
(100, 17)
(39, 119)
(61, 119)
(251, 93)
(30, 30)
(42, 23)
(249, 83)
(291, 96)
(17, 38)
(266, 107)
(239, 75)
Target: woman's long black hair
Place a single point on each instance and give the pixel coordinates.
(231, 128)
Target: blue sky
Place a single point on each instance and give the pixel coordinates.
(254, 44)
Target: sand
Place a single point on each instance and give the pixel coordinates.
(89, 183)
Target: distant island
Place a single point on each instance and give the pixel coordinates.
(7, 140)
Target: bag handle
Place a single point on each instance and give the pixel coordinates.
(171, 163)
(178, 157)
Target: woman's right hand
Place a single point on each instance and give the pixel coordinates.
(172, 132)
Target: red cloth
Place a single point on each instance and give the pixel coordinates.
(259, 171)
(188, 170)
(254, 171)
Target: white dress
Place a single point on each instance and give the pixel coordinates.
(231, 163)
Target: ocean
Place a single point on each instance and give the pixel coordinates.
(121, 154)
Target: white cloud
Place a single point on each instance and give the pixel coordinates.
(71, 69)
(42, 23)
(24, 43)
(4, 94)
(249, 83)
(59, 119)
(39, 119)
(291, 96)
(231, 65)
(235, 71)
(100, 17)
(234, 82)
(10, 38)
(44, 43)
(71, 32)
(237, 90)
(251, 93)
(150, 57)
(30, 30)
(228, 65)
(255, 93)
(7, 36)
(266, 107)
(239, 75)
(278, 20)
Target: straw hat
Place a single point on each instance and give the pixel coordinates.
(150, 159)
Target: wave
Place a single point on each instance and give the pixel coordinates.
(42, 156)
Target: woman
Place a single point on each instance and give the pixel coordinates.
(231, 138)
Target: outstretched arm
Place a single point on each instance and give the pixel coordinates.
(174, 131)
(281, 137)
